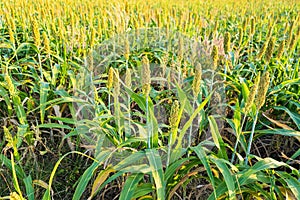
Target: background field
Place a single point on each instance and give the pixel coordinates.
(201, 99)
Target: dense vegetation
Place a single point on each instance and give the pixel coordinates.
(149, 99)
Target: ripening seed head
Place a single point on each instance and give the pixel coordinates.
(11, 35)
(270, 49)
(252, 26)
(13, 24)
(262, 90)
(174, 115)
(145, 76)
(270, 31)
(93, 36)
(110, 78)
(116, 83)
(281, 49)
(227, 42)
(180, 48)
(215, 57)
(291, 28)
(10, 85)
(46, 43)
(99, 28)
(253, 92)
(36, 33)
(216, 26)
(241, 35)
(262, 50)
(292, 42)
(128, 82)
(127, 49)
(245, 22)
(286, 27)
(197, 80)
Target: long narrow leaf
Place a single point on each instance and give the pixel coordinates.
(130, 186)
(29, 187)
(44, 89)
(157, 172)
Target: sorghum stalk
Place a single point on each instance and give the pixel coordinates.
(116, 94)
(128, 83)
(251, 137)
(248, 104)
(110, 80)
(146, 87)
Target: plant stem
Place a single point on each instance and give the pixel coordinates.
(148, 123)
(191, 128)
(251, 138)
(238, 139)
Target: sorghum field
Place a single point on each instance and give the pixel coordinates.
(153, 99)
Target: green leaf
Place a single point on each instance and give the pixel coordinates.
(296, 154)
(5, 96)
(245, 89)
(130, 186)
(144, 169)
(157, 172)
(102, 176)
(19, 109)
(80, 188)
(199, 150)
(44, 89)
(171, 169)
(84, 180)
(266, 163)
(29, 187)
(183, 98)
(87, 175)
(54, 125)
(133, 159)
(152, 123)
(190, 121)
(15, 178)
(19, 171)
(294, 116)
(284, 132)
(142, 190)
(228, 177)
(284, 84)
(217, 137)
(293, 183)
(22, 130)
